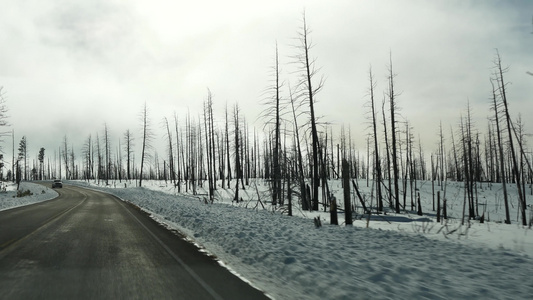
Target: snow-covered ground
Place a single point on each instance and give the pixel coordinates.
(9, 199)
(403, 256)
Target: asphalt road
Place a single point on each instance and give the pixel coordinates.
(89, 245)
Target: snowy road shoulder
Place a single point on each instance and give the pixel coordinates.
(36, 193)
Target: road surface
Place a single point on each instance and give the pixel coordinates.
(89, 245)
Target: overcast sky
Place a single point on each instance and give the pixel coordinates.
(68, 67)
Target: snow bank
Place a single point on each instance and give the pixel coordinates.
(9, 199)
(289, 258)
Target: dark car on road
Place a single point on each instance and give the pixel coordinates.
(57, 184)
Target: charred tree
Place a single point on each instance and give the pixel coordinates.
(237, 140)
(307, 93)
(346, 192)
(171, 165)
(147, 138)
(87, 153)
(209, 143)
(386, 138)
(377, 160)
(273, 117)
(515, 170)
(128, 145)
(99, 167)
(107, 149)
(65, 158)
(227, 139)
(299, 158)
(178, 156)
(394, 155)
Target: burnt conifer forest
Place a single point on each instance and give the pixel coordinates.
(296, 153)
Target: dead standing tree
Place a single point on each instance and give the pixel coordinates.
(99, 166)
(377, 160)
(171, 166)
(87, 153)
(467, 140)
(192, 168)
(495, 107)
(473, 211)
(307, 91)
(238, 167)
(107, 146)
(498, 75)
(128, 147)
(64, 155)
(178, 156)
(393, 109)
(227, 140)
(299, 159)
(387, 148)
(210, 144)
(147, 137)
(273, 116)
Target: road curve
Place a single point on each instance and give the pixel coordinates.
(89, 245)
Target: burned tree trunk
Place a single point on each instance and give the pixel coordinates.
(308, 92)
(501, 85)
(377, 161)
(392, 102)
(346, 185)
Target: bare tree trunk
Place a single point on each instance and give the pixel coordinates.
(392, 99)
(107, 154)
(433, 172)
(377, 161)
(309, 92)
(367, 160)
(72, 164)
(411, 166)
(199, 155)
(246, 153)
(388, 153)
(213, 146)
(221, 160)
(178, 156)
(99, 154)
(323, 177)
(172, 171)
(128, 139)
(65, 158)
(227, 147)
(503, 95)
(346, 187)
(467, 179)
(299, 161)
(438, 207)
(276, 194)
(209, 143)
(457, 172)
(442, 165)
(470, 169)
(238, 169)
(146, 139)
(86, 152)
